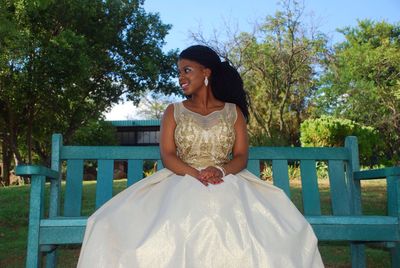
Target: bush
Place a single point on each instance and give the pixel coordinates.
(331, 131)
(96, 132)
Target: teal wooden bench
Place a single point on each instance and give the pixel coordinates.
(346, 223)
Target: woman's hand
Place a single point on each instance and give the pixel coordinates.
(211, 175)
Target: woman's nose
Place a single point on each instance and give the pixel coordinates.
(181, 76)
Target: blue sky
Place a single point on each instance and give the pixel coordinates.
(186, 16)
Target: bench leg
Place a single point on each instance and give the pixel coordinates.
(35, 213)
(395, 255)
(357, 255)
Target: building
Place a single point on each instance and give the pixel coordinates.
(137, 132)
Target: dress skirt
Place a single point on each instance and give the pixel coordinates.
(173, 221)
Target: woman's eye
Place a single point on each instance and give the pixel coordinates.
(185, 70)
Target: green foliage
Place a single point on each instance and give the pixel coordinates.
(332, 131)
(294, 171)
(362, 81)
(278, 67)
(95, 133)
(63, 63)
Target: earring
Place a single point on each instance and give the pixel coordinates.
(206, 81)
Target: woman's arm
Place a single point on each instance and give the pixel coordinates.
(241, 146)
(168, 146)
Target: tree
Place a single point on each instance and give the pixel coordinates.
(95, 132)
(63, 63)
(362, 81)
(153, 105)
(278, 66)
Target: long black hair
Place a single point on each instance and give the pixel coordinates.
(226, 83)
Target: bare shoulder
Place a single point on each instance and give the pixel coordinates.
(169, 111)
(240, 120)
(168, 116)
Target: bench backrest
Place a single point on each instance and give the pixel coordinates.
(341, 161)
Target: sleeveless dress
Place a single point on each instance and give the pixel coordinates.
(168, 220)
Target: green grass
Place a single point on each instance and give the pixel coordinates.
(14, 221)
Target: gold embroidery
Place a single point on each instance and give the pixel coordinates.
(205, 140)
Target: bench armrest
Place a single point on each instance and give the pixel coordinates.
(392, 176)
(38, 176)
(29, 170)
(377, 173)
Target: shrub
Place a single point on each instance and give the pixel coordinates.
(331, 131)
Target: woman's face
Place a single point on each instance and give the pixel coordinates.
(191, 76)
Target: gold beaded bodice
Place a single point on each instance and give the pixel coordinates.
(204, 140)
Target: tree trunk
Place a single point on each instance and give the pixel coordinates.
(29, 135)
(6, 158)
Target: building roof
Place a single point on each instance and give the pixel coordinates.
(134, 123)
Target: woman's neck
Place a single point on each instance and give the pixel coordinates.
(205, 99)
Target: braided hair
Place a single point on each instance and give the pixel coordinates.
(226, 83)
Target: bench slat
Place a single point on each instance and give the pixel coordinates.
(309, 188)
(73, 189)
(153, 152)
(110, 152)
(346, 228)
(135, 171)
(338, 188)
(298, 153)
(159, 165)
(104, 185)
(355, 228)
(254, 167)
(280, 175)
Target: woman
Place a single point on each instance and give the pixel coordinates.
(204, 209)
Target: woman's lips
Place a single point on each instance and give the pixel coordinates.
(184, 86)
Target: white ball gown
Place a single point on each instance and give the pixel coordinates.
(167, 220)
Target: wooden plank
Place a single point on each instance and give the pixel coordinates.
(25, 170)
(352, 220)
(55, 191)
(393, 195)
(64, 221)
(159, 165)
(62, 235)
(343, 232)
(35, 214)
(338, 188)
(254, 167)
(298, 153)
(62, 230)
(353, 165)
(395, 255)
(73, 188)
(376, 173)
(55, 186)
(357, 249)
(104, 186)
(309, 188)
(347, 228)
(355, 228)
(110, 152)
(153, 152)
(280, 175)
(135, 171)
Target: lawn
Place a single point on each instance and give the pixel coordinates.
(14, 221)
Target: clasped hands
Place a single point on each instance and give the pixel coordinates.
(210, 175)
